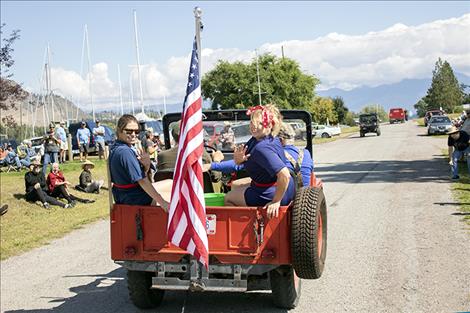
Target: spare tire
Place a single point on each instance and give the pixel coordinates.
(309, 232)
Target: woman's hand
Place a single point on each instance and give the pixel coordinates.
(239, 154)
(272, 209)
(144, 159)
(206, 167)
(165, 205)
(217, 156)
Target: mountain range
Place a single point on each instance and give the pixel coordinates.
(402, 94)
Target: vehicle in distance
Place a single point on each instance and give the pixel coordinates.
(396, 115)
(109, 136)
(430, 114)
(439, 124)
(369, 123)
(325, 131)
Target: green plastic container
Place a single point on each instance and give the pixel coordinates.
(214, 199)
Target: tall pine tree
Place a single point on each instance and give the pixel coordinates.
(445, 90)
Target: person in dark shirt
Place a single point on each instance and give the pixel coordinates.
(458, 144)
(264, 160)
(87, 184)
(129, 168)
(36, 188)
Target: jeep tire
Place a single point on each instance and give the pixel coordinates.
(142, 296)
(309, 232)
(362, 134)
(378, 132)
(286, 287)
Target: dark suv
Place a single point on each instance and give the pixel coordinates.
(369, 123)
(109, 136)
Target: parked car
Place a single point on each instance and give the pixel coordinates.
(213, 130)
(325, 131)
(439, 124)
(430, 114)
(109, 137)
(397, 115)
(242, 132)
(369, 123)
(299, 129)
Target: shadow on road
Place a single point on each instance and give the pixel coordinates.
(453, 203)
(108, 293)
(461, 213)
(429, 170)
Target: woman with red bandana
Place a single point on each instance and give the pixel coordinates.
(263, 158)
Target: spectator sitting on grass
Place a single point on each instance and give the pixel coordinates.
(57, 186)
(36, 188)
(87, 184)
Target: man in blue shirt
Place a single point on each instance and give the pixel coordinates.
(60, 134)
(98, 132)
(83, 140)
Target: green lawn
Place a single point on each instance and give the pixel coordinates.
(461, 189)
(28, 225)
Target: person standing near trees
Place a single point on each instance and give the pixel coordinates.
(83, 140)
(60, 134)
(459, 145)
(51, 149)
(99, 132)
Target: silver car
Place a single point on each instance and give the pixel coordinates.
(439, 124)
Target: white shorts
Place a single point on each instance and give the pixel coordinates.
(63, 145)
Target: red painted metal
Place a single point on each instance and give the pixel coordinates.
(234, 240)
(320, 234)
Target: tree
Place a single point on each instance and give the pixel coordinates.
(10, 91)
(235, 85)
(375, 108)
(322, 110)
(340, 109)
(445, 90)
(421, 107)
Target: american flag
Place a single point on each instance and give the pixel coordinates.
(187, 214)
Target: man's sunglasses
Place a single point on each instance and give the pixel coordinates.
(130, 131)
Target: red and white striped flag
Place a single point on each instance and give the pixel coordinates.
(187, 214)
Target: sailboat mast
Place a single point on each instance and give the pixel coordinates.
(138, 62)
(90, 72)
(120, 89)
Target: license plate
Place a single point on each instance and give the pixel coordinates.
(210, 223)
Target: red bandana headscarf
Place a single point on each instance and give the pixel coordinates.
(268, 117)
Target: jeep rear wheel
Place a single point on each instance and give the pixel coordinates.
(142, 296)
(378, 132)
(362, 134)
(285, 286)
(309, 232)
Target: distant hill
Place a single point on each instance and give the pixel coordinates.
(402, 94)
(33, 111)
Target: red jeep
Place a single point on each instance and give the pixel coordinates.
(247, 251)
(396, 115)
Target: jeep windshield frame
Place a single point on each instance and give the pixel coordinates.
(239, 116)
(368, 118)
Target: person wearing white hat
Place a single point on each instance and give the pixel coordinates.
(87, 184)
(459, 145)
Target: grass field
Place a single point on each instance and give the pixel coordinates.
(28, 225)
(461, 189)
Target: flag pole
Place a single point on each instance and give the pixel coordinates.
(197, 17)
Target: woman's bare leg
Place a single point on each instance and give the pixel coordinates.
(242, 182)
(163, 187)
(236, 197)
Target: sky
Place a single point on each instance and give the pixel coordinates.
(346, 44)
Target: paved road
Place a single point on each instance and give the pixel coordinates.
(395, 244)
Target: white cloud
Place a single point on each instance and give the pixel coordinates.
(344, 61)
